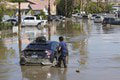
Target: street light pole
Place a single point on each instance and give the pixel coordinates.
(49, 30)
(19, 27)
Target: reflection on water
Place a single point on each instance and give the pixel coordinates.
(43, 73)
(8, 68)
(92, 50)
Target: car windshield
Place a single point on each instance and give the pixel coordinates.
(97, 17)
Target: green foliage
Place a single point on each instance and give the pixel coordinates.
(5, 11)
(65, 7)
(5, 26)
(3, 50)
(2, 11)
(42, 14)
(109, 8)
(92, 7)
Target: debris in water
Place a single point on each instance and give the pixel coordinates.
(78, 71)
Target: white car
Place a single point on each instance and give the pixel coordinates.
(98, 19)
(93, 17)
(33, 21)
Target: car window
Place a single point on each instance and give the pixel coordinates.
(27, 18)
(97, 17)
(13, 20)
(31, 18)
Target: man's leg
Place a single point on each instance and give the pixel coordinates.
(64, 62)
(59, 61)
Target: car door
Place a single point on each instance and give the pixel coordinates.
(31, 21)
(26, 21)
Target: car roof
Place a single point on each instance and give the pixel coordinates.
(49, 45)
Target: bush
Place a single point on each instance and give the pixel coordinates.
(5, 25)
(42, 15)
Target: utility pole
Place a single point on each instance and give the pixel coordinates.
(106, 4)
(65, 8)
(19, 27)
(82, 3)
(49, 14)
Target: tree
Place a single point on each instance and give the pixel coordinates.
(4, 10)
(62, 5)
(92, 7)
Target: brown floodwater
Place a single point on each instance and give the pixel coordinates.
(94, 53)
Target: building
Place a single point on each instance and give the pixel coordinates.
(38, 5)
(32, 5)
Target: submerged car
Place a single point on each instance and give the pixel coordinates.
(40, 51)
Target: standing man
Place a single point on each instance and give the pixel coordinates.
(63, 52)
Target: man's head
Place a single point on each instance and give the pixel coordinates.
(61, 38)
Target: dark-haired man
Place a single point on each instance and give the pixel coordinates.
(63, 52)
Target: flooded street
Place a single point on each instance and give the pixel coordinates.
(94, 50)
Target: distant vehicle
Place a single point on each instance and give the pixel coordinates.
(93, 16)
(85, 16)
(12, 21)
(111, 21)
(60, 18)
(104, 14)
(79, 15)
(40, 51)
(97, 19)
(108, 20)
(116, 22)
(33, 21)
(74, 15)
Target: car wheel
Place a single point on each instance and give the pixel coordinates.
(39, 25)
(22, 61)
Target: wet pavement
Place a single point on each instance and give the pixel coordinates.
(94, 53)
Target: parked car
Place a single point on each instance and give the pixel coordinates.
(108, 20)
(33, 21)
(116, 22)
(84, 16)
(111, 21)
(93, 16)
(40, 51)
(97, 19)
(12, 21)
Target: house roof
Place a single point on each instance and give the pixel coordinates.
(36, 7)
(23, 5)
(40, 4)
